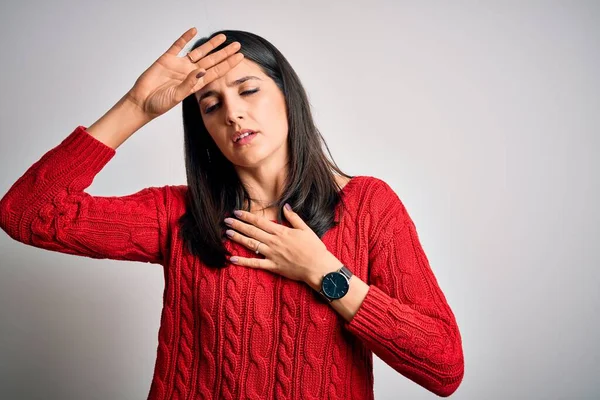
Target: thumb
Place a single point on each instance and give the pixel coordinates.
(294, 218)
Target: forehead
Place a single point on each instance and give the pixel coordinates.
(244, 68)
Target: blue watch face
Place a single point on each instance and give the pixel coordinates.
(335, 285)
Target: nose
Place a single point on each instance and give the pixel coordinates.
(234, 111)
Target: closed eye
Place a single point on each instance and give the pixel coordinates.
(244, 93)
(247, 92)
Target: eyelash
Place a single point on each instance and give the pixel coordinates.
(244, 93)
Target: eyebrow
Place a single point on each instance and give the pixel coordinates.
(230, 84)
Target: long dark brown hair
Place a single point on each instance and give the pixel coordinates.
(214, 188)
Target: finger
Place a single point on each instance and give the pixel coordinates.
(181, 42)
(215, 58)
(249, 242)
(218, 71)
(252, 220)
(207, 47)
(186, 87)
(257, 263)
(294, 218)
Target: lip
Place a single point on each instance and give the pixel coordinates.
(239, 133)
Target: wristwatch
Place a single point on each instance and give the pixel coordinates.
(335, 284)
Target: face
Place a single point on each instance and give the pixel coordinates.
(246, 98)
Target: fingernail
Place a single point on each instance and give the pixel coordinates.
(288, 207)
(233, 259)
(229, 232)
(228, 221)
(237, 213)
(201, 74)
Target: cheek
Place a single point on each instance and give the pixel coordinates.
(216, 132)
(273, 114)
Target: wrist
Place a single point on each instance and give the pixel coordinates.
(131, 106)
(330, 264)
(119, 123)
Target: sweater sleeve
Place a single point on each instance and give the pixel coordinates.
(405, 318)
(48, 208)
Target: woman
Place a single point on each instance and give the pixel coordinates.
(281, 276)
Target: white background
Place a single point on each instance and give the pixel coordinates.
(482, 116)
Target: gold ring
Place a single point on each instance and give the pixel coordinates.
(190, 58)
(257, 246)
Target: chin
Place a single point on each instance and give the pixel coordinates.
(250, 159)
(254, 156)
(250, 163)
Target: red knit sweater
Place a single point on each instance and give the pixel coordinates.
(242, 333)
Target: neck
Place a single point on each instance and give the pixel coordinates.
(264, 185)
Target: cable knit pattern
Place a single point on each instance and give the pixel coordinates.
(262, 312)
(240, 333)
(233, 329)
(207, 334)
(339, 352)
(186, 318)
(286, 353)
